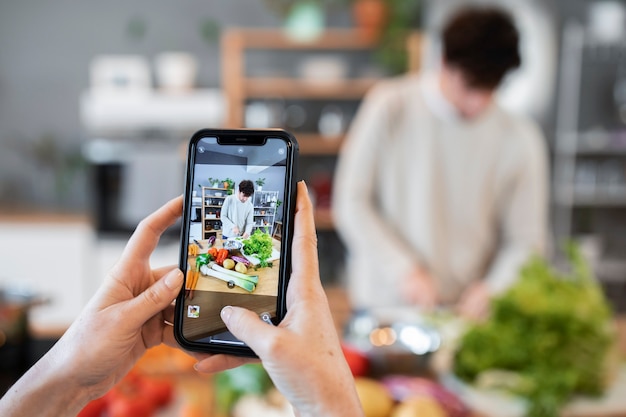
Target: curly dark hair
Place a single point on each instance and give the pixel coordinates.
(482, 42)
(246, 187)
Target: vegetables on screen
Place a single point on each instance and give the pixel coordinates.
(259, 244)
(232, 278)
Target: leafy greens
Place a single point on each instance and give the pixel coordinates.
(551, 331)
(259, 244)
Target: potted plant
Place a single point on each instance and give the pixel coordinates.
(403, 16)
(214, 182)
(260, 182)
(229, 185)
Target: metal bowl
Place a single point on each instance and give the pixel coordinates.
(233, 245)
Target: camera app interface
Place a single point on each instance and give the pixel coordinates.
(234, 239)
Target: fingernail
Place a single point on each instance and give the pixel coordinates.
(174, 279)
(226, 313)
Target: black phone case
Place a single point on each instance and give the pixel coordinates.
(287, 233)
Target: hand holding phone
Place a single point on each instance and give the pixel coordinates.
(245, 233)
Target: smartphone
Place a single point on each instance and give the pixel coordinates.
(237, 228)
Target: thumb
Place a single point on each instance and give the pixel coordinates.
(156, 297)
(248, 327)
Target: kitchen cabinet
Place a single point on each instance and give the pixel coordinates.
(590, 151)
(212, 201)
(265, 205)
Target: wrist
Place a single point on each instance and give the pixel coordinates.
(49, 388)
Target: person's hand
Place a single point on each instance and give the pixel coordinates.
(236, 231)
(123, 319)
(302, 355)
(246, 235)
(474, 302)
(419, 288)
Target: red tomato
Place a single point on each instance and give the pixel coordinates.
(159, 391)
(94, 408)
(130, 407)
(126, 400)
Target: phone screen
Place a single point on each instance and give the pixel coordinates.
(233, 233)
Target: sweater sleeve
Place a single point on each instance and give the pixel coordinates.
(249, 219)
(227, 223)
(354, 191)
(524, 211)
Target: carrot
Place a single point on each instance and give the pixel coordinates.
(195, 274)
(189, 280)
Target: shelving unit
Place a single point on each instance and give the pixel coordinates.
(212, 201)
(265, 203)
(241, 88)
(589, 179)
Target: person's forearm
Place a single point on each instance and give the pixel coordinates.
(47, 389)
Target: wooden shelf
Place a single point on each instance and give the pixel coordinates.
(267, 88)
(314, 144)
(331, 39)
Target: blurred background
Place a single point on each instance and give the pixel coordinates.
(98, 100)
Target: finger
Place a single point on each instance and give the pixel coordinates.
(155, 298)
(249, 328)
(219, 363)
(304, 245)
(160, 272)
(146, 236)
(168, 314)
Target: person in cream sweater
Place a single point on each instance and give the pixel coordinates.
(440, 194)
(238, 213)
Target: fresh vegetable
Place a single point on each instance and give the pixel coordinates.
(245, 284)
(204, 259)
(192, 280)
(189, 280)
(375, 399)
(404, 388)
(241, 259)
(94, 408)
(228, 263)
(193, 273)
(240, 267)
(234, 383)
(193, 250)
(252, 278)
(157, 390)
(259, 244)
(213, 252)
(552, 332)
(419, 406)
(211, 241)
(222, 254)
(138, 395)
